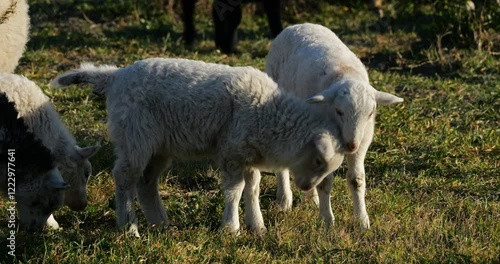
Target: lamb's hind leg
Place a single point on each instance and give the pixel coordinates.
(126, 179)
(233, 184)
(147, 191)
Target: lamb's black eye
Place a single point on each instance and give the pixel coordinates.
(340, 113)
(318, 162)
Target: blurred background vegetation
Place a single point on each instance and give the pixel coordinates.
(451, 23)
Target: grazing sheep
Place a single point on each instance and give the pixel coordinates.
(14, 31)
(43, 121)
(29, 177)
(165, 109)
(310, 61)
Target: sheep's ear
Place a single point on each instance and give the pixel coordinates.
(57, 185)
(55, 182)
(324, 145)
(87, 152)
(323, 97)
(383, 98)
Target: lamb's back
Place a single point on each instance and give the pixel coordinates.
(310, 57)
(188, 105)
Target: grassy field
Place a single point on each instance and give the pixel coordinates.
(433, 185)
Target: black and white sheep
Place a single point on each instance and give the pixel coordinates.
(165, 109)
(29, 177)
(14, 32)
(43, 121)
(310, 61)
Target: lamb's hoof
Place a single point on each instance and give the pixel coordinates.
(159, 227)
(365, 224)
(259, 230)
(231, 230)
(312, 195)
(52, 223)
(133, 231)
(362, 222)
(286, 204)
(328, 222)
(130, 230)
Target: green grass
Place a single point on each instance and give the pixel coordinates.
(432, 171)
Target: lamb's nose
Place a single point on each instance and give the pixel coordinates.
(352, 147)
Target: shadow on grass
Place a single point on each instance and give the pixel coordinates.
(194, 176)
(71, 37)
(432, 34)
(388, 62)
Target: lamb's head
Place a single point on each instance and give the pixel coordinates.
(353, 105)
(320, 156)
(76, 170)
(39, 198)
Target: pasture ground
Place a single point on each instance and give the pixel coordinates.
(433, 186)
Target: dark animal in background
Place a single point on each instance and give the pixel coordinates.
(227, 16)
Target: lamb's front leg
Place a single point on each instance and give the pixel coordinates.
(253, 215)
(284, 192)
(126, 179)
(357, 184)
(323, 193)
(232, 184)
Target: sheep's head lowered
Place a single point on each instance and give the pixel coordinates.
(39, 198)
(318, 158)
(76, 171)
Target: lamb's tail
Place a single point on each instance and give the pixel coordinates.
(100, 77)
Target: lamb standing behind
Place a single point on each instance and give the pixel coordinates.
(29, 177)
(14, 32)
(43, 121)
(310, 61)
(165, 109)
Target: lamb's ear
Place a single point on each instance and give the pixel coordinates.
(324, 145)
(383, 98)
(55, 182)
(87, 152)
(323, 97)
(57, 185)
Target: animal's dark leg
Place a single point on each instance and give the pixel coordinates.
(273, 12)
(188, 21)
(227, 16)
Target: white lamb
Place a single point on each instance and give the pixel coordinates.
(14, 32)
(165, 109)
(310, 61)
(43, 121)
(29, 177)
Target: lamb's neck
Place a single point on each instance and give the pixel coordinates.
(296, 121)
(353, 75)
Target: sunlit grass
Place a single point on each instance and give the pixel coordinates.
(432, 170)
